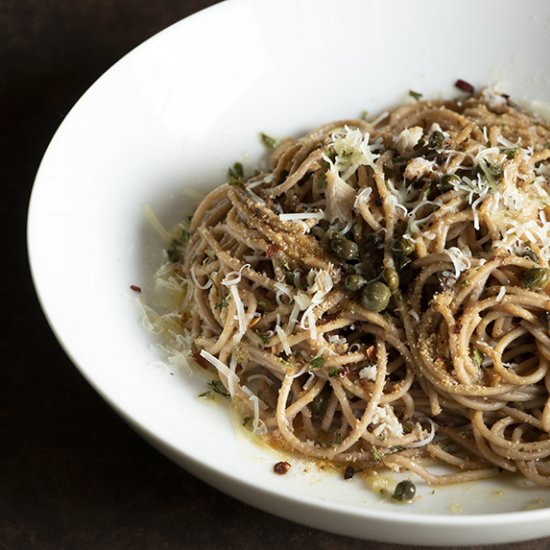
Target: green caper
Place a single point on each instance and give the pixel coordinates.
(344, 248)
(404, 490)
(376, 296)
(436, 140)
(392, 278)
(355, 282)
(536, 278)
(404, 246)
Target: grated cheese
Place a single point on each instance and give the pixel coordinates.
(460, 259)
(221, 368)
(302, 216)
(386, 421)
(368, 373)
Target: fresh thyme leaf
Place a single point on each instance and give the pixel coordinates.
(337, 440)
(333, 371)
(477, 357)
(511, 152)
(317, 362)
(268, 141)
(364, 115)
(376, 454)
(235, 175)
(177, 245)
(218, 387)
(265, 339)
(223, 303)
(415, 95)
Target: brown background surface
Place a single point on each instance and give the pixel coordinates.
(72, 474)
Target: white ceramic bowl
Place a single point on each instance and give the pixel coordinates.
(176, 112)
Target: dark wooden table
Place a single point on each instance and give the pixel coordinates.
(72, 474)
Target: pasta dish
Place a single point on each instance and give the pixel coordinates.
(377, 297)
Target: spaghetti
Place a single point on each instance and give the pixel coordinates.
(378, 297)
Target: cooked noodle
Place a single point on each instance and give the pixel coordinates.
(441, 204)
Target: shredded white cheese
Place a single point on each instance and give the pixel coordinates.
(302, 216)
(368, 372)
(221, 368)
(461, 259)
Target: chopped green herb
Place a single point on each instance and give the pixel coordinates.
(511, 152)
(518, 405)
(265, 339)
(268, 141)
(364, 115)
(177, 245)
(246, 421)
(223, 303)
(236, 175)
(492, 173)
(317, 362)
(218, 387)
(337, 440)
(333, 371)
(477, 357)
(415, 95)
(376, 454)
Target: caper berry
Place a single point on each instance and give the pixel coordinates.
(344, 248)
(536, 278)
(376, 296)
(392, 278)
(404, 490)
(355, 282)
(404, 246)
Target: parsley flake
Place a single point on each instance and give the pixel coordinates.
(415, 95)
(235, 175)
(268, 141)
(317, 363)
(218, 387)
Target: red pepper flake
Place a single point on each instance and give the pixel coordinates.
(272, 249)
(464, 86)
(281, 468)
(349, 472)
(135, 288)
(457, 328)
